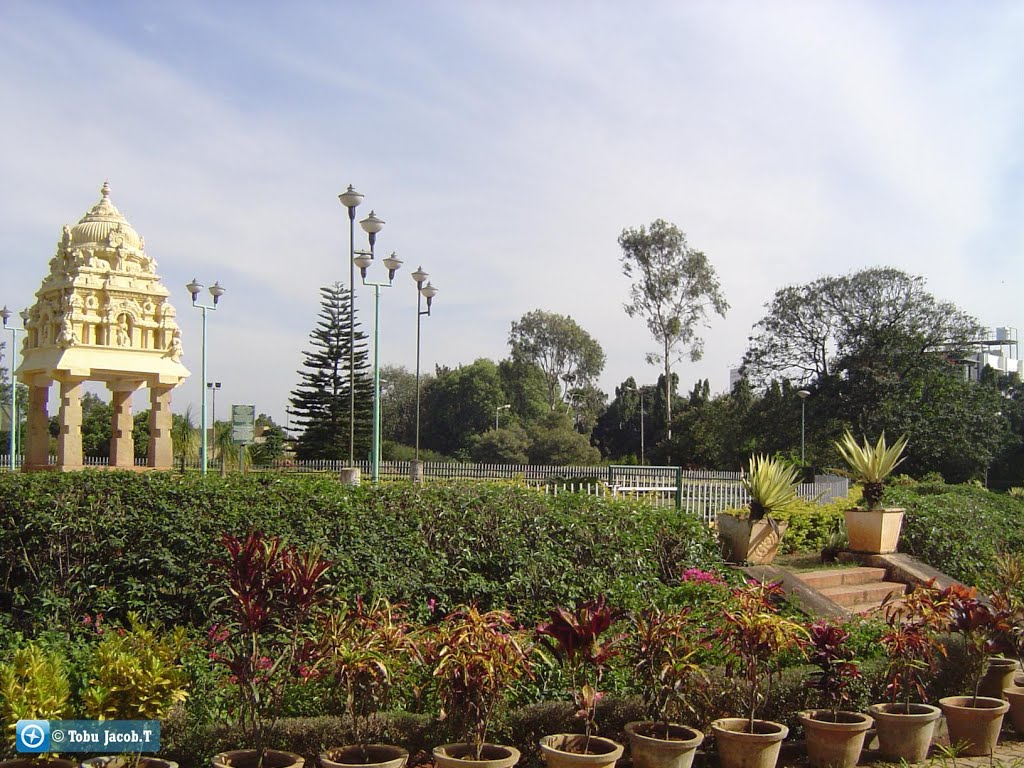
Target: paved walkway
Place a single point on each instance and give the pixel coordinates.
(1009, 752)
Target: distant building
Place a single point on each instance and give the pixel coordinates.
(1000, 351)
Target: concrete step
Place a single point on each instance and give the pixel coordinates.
(834, 577)
(848, 595)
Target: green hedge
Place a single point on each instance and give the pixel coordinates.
(112, 542)
(958, 528)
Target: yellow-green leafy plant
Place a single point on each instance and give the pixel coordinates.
(136, 674)
(1017, 492)
(872, 464)
(772, 485)
(33, 686)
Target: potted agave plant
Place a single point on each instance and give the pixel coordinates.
(273, 592)
(872, 529)
(360, 653)
(974, 721)
(136, 675)
(664, 655)
(476, 658)
(755, 537)
(34, 685)
(834, 736)
(905, 727)
(580, 641)
(755, 636)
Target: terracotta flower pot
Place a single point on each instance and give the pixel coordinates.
(565, 750)
(904, 733)
(460, 756)
(376, 756)
(738, 748)
(1015, 696)
(873, 531)
(834, 743)
(975, 722)
(246, 758)
(28, 762)
(127, 760)
(998, 676)
(649, 747)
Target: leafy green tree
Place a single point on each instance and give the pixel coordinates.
(271, 445)
(673, 288)
(507, 445)
(555, 441)
(140, 433)
(525, 389)
(617, 431)
(184, 437)
(459, 404)
(320, 403)
(567, 355)
(398, 403)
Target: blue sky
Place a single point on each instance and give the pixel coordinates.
(507, 145)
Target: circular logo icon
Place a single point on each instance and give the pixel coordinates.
(57, 736)
(32, 736)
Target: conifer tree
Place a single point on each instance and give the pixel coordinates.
(320, 403)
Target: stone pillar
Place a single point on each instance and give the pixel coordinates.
(416, 471)
(349, 475)
(37, 432)
(161, 446)
(69, 440)
(122, 442)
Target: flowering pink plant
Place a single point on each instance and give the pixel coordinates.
(702, 577)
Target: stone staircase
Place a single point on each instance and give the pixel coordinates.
(856, 589)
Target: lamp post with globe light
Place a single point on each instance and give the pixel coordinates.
(363, 259)
(5, 313)
(498, 410)
(371, 226)
(424, 290)
(216, 290)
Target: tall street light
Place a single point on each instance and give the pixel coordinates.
(214, 388)
(427, 292)
(363, 259)
(636, 388)
(498, 410)
(5, 313)
(803, 395)
(216, 290)
(371, 225)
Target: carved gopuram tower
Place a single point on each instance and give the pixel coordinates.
(101, 314)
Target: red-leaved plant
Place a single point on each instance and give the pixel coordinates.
(756, 637)
(983, 629)
(837, 669)
(579, 641)
(476, 657)
(910, 643)
(272, 592)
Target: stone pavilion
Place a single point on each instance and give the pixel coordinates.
(101, 314)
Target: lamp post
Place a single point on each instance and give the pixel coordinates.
(214, 387)
(803, 394)
(5, 313)
(427, 292)
(636, 388)
(363, 259)
(498, 410)
(371, 225)
(216, 290)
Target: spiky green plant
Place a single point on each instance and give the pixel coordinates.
(872, 463)
(1017, 492)
(772, 486)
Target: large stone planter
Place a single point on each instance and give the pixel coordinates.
(246, 758)
(873, 531)
(651, 748)
(998, 677)
(491, 756)
(376, 756)
(904, 734)
(737, 748)
(974, 722)
(1015, 696)
(565, 750)
(834, 743)
(750, 541)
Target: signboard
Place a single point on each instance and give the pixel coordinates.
(243, 424)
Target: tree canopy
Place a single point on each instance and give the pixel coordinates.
(566, 354)
(674, 287)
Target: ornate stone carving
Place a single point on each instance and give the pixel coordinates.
(67, 336)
